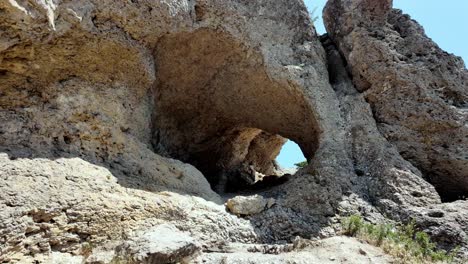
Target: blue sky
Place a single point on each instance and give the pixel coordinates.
(446, 22)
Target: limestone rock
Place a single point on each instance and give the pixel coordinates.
(66, 205)
(249, 205)
(418, 92)
(118, 116)
(160, 244)
(332, 250)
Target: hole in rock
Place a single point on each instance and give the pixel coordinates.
(242, 159)
(449, 191)
(290, 156)
(218, 107)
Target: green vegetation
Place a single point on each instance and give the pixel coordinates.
(401, 242)
(301, 164)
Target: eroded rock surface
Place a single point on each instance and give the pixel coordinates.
(160, 244)
(332, 250)
(248, 205)
(418, 95)
(418, 92)
(119, 116)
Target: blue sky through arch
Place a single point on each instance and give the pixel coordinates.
(445, 22)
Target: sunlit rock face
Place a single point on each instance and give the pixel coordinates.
(119, 116)
(418, 92)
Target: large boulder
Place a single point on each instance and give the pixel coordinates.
(160, 244)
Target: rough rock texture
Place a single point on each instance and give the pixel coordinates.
(418, 92)
(418, 95)
(160, 244)
(331, 250)
(70, 205)
(119, 116)
(248, 205)
(95, 93)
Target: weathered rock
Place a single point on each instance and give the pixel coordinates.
(67, 205)
(249, 205)
(160, 244)
(332, 250)
(102, 102)
(117, 85)
(418, 92)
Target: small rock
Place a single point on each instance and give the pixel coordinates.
(248, 205)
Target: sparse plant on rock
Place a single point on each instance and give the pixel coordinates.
(301, 164)
(402, 242)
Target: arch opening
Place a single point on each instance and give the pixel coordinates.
(217, 108)
(291, 156)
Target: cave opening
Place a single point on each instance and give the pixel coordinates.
(217, 108)
(242, 160)
(449, 190)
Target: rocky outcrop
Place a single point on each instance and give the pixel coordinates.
(119, 116)
(418, 92)
(69, 205)
(418, 95)
(97, 97)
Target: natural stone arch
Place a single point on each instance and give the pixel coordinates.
(218, 108)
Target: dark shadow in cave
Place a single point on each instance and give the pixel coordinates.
(243, 159)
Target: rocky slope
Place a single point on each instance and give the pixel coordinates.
(123, 125)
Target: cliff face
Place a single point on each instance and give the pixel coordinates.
(418, 92)
(119, 116)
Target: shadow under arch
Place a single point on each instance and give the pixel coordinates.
(214, 98)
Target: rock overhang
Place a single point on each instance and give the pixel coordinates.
(126, 84)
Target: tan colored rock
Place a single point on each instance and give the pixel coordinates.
(68, 205)
(248, 205)
(119, 116)
(418, 95)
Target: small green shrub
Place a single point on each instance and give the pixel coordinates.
(424, 241)
(383, 232)
(302, 164)
(402, 242)
(353, 224)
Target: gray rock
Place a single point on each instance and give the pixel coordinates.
(418, 95)
(418, 92)
(119, 116)
(160, 244)
(332, 250)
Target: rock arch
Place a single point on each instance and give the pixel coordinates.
(217, 107)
